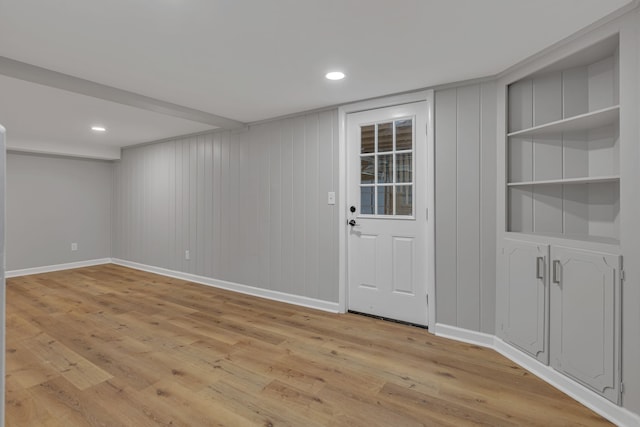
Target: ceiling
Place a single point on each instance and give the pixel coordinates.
(246, 60)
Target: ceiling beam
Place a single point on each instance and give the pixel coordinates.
(34, 74)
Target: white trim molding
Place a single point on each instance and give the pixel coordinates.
(388, 101)
(56, 267)
(614, 413)
(317, 304)
(464, 335)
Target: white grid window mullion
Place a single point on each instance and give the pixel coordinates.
(375, 175)
(396, 169)
(393, 168)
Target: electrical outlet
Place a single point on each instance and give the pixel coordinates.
(74, 247)
(187, 255)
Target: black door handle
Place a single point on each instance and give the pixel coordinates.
(353, 223)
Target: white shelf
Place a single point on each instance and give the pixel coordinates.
(592, 120)
(586, 180)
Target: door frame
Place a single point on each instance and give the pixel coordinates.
(343, 249)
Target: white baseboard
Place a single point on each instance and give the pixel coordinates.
(332, 307)
(614, 413)
(57, 267)
(464, 335)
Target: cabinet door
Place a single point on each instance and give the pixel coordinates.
(585, 318)
(527, 297)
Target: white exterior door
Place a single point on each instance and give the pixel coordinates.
(387, 212)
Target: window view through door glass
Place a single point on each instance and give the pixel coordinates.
(386, 168)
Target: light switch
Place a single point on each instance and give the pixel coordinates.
(74, 247)
(331, 198)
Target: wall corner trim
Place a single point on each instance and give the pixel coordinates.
(56, 267)
(616, 414)
(303, 301)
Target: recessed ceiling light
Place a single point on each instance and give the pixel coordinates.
(98, 128)
(335, 75)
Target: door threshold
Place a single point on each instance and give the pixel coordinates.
(388, 319)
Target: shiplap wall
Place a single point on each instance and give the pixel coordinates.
(250, 206)
(465, 145)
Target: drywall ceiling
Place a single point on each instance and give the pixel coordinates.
(251, 60)
(44, 119)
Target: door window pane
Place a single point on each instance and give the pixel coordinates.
(385, 137)
(385, 200)
(367, 169)
(367, 201)
(404, 200)
(404, 167)
(385, 168)
(367, 139)
(404, 135)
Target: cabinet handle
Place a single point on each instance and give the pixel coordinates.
(540, 267)
(556, 272)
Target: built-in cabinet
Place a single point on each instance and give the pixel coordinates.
(585, 318)
(526, 323)
(560, 253)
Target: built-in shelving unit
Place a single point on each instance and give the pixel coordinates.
(563, 151)
(560, 258)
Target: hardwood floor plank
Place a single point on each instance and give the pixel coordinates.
(112, 346)
(73, 367)
(414, 401)
(25, 368)
(69, 405)
(190, 409)
(256, 410)
(124, 404)
(376, 411)
(21, 408)
(21, 328)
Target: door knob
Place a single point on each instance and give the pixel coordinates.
(353, 223)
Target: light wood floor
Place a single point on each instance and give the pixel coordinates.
(108, 345)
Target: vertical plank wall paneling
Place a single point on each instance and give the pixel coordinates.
(250, 206)
(468, 203)
(446, 206)
(488, 206)
(465, 127)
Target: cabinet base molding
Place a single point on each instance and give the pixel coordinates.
(56, 267)
(303, 301)
(616, 414)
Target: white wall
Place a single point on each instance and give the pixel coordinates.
(465, 145)
(53, 202)
(2, 282)
(250, 206)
